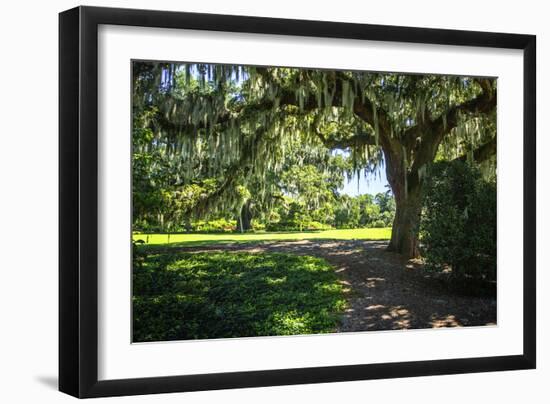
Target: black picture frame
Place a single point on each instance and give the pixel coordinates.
(78, 201)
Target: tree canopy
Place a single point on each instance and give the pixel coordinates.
(230, 138)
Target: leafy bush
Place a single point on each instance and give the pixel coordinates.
(378, 223)
(282, 226)
(257, 226)
(215, 226)
(387, 218)
(317, 226)
(459, 222)
(295, 226)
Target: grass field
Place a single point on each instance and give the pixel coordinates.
(179, 296)
(197, 239)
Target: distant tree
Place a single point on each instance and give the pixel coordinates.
(347, 213)
(386, 201)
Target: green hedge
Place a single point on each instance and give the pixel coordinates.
(459, 222)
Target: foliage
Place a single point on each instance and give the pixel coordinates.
(247, 138)
(378, 223)
(214, 226)
(365, 211)
(297, 226)
(458, 227)
(180, 296)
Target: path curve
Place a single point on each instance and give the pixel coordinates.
(384, 292)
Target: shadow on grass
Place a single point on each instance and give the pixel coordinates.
(233, 233)
(202, 243)
(164, 240)
(152, 248)
(178, 296)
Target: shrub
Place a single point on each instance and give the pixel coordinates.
(378, 223)
(281, 226)
(387, 218)
(215, 226)
(458, 226)
(295, 226)
(258, 226)
(317, 226)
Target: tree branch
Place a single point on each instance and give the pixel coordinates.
(433, 132)
(362, 138)
(363, 109)
(483, 152)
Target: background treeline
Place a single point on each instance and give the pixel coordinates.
(344, 212)
(303, 198)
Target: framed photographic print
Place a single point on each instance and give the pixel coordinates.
(251, 201)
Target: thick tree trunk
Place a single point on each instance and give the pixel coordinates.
(406, 187)
(188, 226)
(245, 217)
(404, 237)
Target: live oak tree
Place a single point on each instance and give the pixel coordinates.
(238, 124)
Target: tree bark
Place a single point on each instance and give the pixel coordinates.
(404, 237)
(188, 226)
(406, 187)
(245, 218)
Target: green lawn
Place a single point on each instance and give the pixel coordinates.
(221, 238)
(178, 296)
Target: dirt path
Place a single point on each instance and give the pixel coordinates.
(384, 291)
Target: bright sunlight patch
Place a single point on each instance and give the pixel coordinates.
(197, 239)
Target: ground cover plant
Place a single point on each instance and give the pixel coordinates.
(225, 294)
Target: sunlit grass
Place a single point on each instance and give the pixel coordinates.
(221, 238)
(179, 296)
